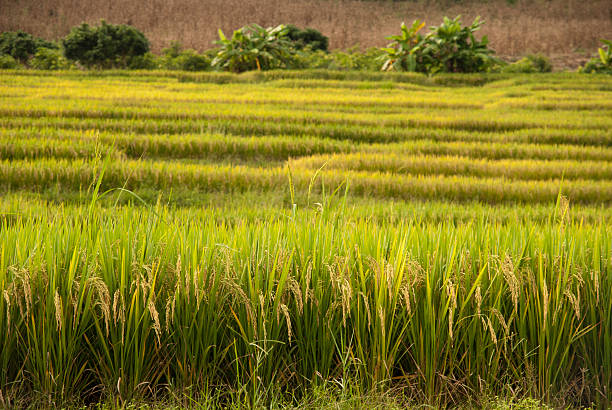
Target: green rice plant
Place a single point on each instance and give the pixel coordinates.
(444, 165)
(128, 351)
(75, 175)
(31, 142)
(449, 309)
(421, 246)
(52, 310)
(362, 134)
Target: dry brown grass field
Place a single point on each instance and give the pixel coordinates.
(566, 30)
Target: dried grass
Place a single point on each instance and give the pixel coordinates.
(558, 28)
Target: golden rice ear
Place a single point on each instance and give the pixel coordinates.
(7, 300)
(155, 318)
(103, 299)
(574, 300)
(451, 292)
(492, 331)
(294, 287)
(512, 280)
(59, 311)
(285, 311)
(502, 320)
(367, 308)
(478, 299)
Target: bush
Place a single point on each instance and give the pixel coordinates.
(147, 61)
(49, 59)
(530, 64)
(175, 58)
(106, 46)
(190, 60)
(349, 60)
(540, 62)
(254, 48)
(403, 53)
(21, 46)
(603, 64)
(7, 62)
(448, 48)
(308, 37)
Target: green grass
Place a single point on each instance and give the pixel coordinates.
(183, 298)
(290, 239)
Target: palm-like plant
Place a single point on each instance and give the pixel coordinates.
(603, 64)
(453, 48)
(446, 48)
(254, 48)
(401, 53)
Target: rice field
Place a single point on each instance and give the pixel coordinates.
(221, 239)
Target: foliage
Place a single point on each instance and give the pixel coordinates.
(254, 48)
(21, 46)
(175, 58)
(147, 61)
(532, 63)
(128, 300)
(403, 54)
(350, 60)
(190, 60)
(451, 48)
(173, 51)
(8, 62)
(49, 59)
(448, 48)
(105, 46)
(603, 64)
(540, 63)
(307, 38)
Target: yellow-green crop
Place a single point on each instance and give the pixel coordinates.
(261, 235)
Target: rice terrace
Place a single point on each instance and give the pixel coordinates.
(273, 224)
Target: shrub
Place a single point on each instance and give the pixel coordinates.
(451, 48)
(7, 62)
(603, 64)
(173, 51)
(540, 62)
(349, 60)
(308, 37)
(448, 48)
(254, 48)
(49, 59)
(147, 61)
(21, 46)
(402, 53)
(174, 58)
(530, 64)
(190, 60)
(105, 46)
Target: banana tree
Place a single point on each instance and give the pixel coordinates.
(402, 52)
(453, 48)
(603, 64)
(254, 48)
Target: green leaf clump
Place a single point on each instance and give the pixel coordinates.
(105, 46)
(602, 63)
(22, 46)
(447, 48)
(254, 48)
